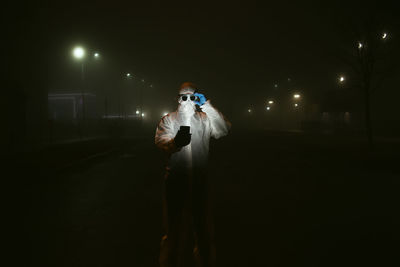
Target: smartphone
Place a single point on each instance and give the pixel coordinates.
(185, 129)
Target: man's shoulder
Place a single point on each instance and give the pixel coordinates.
(168, 117)
(172, 115)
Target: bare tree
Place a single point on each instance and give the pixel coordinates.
(370, 60)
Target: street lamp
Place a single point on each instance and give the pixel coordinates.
(96, 55)
(249, 110)
(384, 35)
(342, 79)
(296, 105)
(296, 96)
(360, 45)
(270, 102)
(78, 52)
(268, 108)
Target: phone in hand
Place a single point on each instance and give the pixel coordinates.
(184, 129)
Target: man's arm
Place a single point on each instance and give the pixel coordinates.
(165, 134)
(220, 126)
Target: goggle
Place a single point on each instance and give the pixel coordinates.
(186, 97)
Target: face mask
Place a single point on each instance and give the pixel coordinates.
(187, 107)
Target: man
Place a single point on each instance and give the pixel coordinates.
(186, 214)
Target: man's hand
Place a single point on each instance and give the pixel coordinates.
(201, 99)
(182, 139)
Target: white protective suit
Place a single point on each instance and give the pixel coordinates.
(203, 125)
(185, 201)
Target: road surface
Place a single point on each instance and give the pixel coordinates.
(280, 199)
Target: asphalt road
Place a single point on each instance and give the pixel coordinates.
(280, 199)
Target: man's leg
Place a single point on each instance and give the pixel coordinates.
(174, 201)
(203, 224)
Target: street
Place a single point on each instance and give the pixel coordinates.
(280, 199)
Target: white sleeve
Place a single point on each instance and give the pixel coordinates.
(164, 138)
(219, 124)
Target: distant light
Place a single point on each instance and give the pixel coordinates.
(249, 110)
(296, 96)
(270, 102)
(165, 114)
(276, 85)
(342, 79)
(360, 45)
(143, 114)
(128, 75)
(268, 108)
(78, 52)
(142, 80)
(96, 55)
(137, 112)
(384, 35)
(151, 85)
(296, 105)
(288, 79)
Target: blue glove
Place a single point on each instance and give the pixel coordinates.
(201, 99)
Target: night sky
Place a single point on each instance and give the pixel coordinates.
(236, 51)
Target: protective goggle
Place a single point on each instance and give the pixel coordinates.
(188, 97)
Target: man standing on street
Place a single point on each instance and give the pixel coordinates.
(184, 135)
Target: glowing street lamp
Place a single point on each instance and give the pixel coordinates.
(137, 112)
(249, 110)
(143, 115)
(270, 102)
(342, 79)
(268, 108)
(384, 35)
(296, 105)
(78, 52)
(128, 75)
(296, 96)
(360, 45)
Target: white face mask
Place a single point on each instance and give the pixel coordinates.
(187, 107)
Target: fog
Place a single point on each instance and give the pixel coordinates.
(307, 175)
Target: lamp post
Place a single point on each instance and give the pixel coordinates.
(79, 54)
(141, 100)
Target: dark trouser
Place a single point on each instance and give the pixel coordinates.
(187, 222)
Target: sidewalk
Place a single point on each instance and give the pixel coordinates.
(58, 156)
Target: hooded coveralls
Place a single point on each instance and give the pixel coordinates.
(185, 195)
